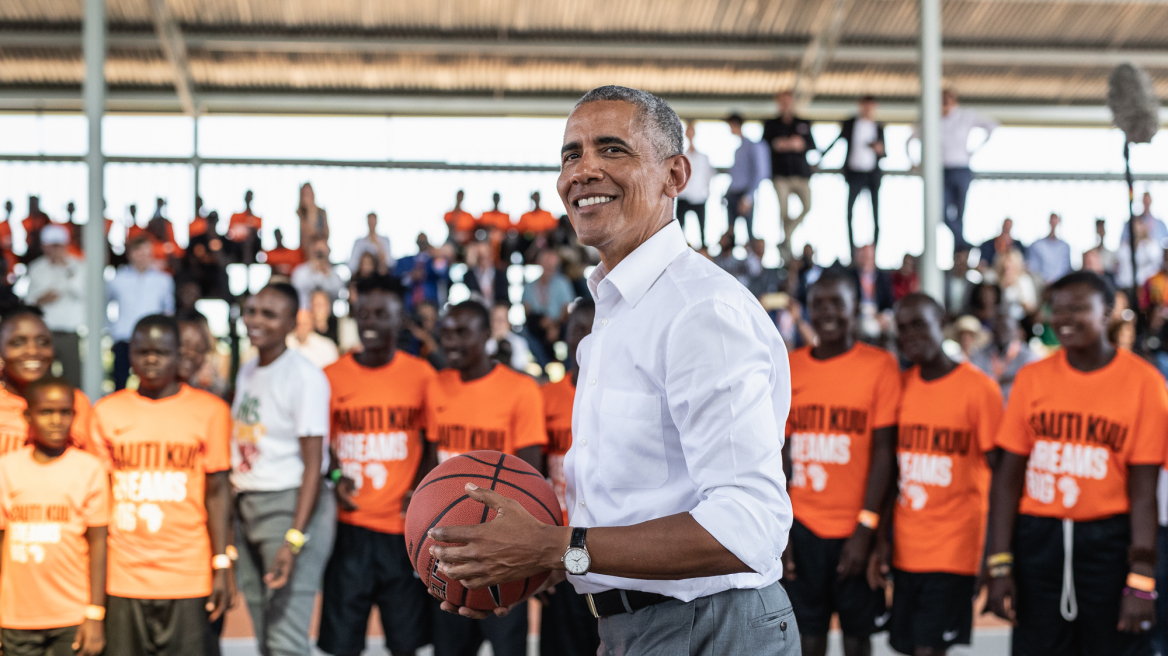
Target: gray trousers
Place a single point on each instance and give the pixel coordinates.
(731, 623)
(281, 618)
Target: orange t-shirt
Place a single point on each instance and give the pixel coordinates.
(835, 406)
(377, 418)
(197, 227)
(557, 406)
(159, 453)
(1082, 431)
(946, 427)
(45, 510)
(14, 429)
(493, 219)
(502, 411)
(284, 260)
(460, 221)
(537, 221)
(237, 228)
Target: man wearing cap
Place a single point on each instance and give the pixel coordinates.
(56, 284)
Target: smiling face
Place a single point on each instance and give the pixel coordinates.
(1079, 316)
(269, 316)
(464, 338)
(379, 319)
(154, 357)
(832, 306)
(50, 416)
(617, 189)
(26, 345)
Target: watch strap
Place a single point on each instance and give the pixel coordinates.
(578, 537)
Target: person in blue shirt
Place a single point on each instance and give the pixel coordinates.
(751, 166)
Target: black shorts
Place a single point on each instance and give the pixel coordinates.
(567, 627)
(1100, 568)
(367, 568)
(817, 593)
(38, 642)
(930, 609)
(155, 627)
(455, 635)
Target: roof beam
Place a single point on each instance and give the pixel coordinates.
(820, 50)
(171, 39)
(679, 50)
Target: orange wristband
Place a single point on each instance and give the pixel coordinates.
(1141, 582)
(869, 519)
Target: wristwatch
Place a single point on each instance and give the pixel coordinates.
(576, 559)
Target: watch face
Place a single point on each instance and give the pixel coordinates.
(577, 561)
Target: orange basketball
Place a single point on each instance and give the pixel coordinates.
(441, 500)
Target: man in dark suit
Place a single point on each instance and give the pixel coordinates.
(483, 277)
(865, 139)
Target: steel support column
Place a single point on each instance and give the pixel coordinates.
(93, 90)
(932, 282)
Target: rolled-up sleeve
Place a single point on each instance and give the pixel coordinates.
(728, 391)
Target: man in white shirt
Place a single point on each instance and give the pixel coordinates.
(674, 482)
(956, 124)
(56, 284)
(865, 139)
(374, 244)
(1050, 257)
(697, 192)
(140, 290)
(285, 514)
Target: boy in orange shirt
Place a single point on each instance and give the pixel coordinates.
(54, 508)
(567, 627)
(26, 347)
(841, 442)
(949, 418)
(1073, 502)
(167, 448)
(377, 418)
(479, 404)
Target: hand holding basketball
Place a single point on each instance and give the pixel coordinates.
(513, 546)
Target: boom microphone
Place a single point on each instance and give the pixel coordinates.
(1134, 106)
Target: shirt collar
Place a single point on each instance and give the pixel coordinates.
(640, 269)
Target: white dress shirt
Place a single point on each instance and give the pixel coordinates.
(955, 129)
(861, 155)
(67, 312)
(702, 172)
(684, 389)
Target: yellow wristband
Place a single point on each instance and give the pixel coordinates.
(869, 519)
(231, 552)
(295, 540)
(96, 613)
(222, 561)
(1004, 558)
(1141, 582)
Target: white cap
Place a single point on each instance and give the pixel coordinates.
(54, 235)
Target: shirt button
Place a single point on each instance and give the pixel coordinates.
(581, 504)
(604, 322)
(583, 442)
(592, 382)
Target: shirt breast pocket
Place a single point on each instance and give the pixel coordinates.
(632, 442)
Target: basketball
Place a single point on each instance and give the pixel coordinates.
(441, 500)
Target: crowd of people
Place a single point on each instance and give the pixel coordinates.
(1030, 398)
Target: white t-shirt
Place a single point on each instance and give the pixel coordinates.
(861, 156)
(701, 173)
(274, 407)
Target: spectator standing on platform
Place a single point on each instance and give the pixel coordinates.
(281, 259)
(206, 258)
(495, 218)
(317, 273)
(56, 284)
(693, 198)
(956, 124)
(459, 223)
(33, 224)
(140, 290)
(751, 166)
(1050, 257)
(244, 231)
(313, 219)
(375, 245)
(1006, 353)
(789, 139)
(865, 140)
(538, 220)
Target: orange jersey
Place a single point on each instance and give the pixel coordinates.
(1082, 431)
(557, 407)
(537, 221)
(946, 427)
(14, 429)
(460, 221)
(284, 260)
(502, 411)
(45, 510)
(241, 222)
(497, 220)
(159, 454)
(377, 418)
(197, 227)
(835, 406)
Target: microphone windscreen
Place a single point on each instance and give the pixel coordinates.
(1134, 106)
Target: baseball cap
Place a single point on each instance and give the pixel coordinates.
(54, 235)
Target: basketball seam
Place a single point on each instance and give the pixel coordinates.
(434, 523)
(484, 462)
(555, 517)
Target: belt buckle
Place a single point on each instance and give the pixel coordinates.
(592, 606)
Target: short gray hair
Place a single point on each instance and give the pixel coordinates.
(664, 127)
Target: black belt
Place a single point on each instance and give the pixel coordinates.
(615, 602)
